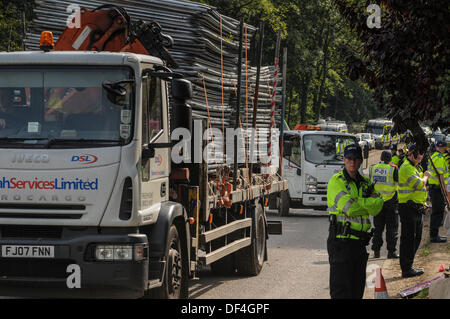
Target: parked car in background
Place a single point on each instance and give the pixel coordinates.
(436, 137)
(370, 139)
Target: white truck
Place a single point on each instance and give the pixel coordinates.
(314, 158)
(88, 187)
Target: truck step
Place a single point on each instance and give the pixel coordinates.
(225, 250)
(224, 230)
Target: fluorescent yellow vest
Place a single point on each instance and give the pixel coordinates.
(382, 175)
(346, 202)
(441, 167)
(410, 185)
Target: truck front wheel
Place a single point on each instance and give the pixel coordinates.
(174, 284)
(285, 203)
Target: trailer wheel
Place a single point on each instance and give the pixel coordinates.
(250, 260)
(285, 203)
(174, 284)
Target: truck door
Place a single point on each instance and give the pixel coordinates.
(292, 169)
(155, 171)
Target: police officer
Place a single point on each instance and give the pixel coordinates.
(395, 157)
(385, 177)
(351, 199)
(412, 196)
(437, 199)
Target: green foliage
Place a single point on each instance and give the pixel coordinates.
(405, 61)
(12, 24)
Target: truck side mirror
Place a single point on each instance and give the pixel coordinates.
(287, 148)
(181, 111)
(147, 153)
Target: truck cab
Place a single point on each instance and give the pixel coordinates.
(74, 185)
(315, 157)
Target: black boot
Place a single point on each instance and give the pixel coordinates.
(376, 254)
(412, 272)
(438, 239)
(392, 255)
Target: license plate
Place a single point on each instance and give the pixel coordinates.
(25, 251)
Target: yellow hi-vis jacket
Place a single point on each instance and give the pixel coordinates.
(346, 201)
(382, 175)
(439, 162)
(395, 159)
(410, 184)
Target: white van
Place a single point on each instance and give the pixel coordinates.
(315, 157)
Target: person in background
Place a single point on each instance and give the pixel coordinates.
(7, 117)
(351, 200)
(385, 177)
(412, 195)
(395, 157)
(439, 174)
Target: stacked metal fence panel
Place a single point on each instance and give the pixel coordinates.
(203, 58)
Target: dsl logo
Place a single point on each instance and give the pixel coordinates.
(85, 159)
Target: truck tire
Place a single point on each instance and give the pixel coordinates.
(250, 260)
(285, 204)
(174, 281)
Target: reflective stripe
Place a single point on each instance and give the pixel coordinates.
(386, 192)
(348, 205)
(411, 178)
(338, 197)
(365, 221)
(404, 191)
(417, 183)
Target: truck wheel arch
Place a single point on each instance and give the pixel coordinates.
(171, 213)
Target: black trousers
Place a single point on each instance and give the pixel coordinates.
(411, 234)
(348, 263)
(388, 218)
(437, 210)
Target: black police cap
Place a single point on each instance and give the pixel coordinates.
(353, 150)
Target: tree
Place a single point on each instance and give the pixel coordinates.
(15, 17)
(406, 61)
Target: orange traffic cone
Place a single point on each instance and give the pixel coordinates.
(380, 286)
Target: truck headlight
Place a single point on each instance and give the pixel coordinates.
(311, 189)
(310, 180)
(119, 252)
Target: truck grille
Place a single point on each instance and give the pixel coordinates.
(50, 268)
(322, 188)
(25, 231)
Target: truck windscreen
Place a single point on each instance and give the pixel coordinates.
(65, 106)
(326, 149)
